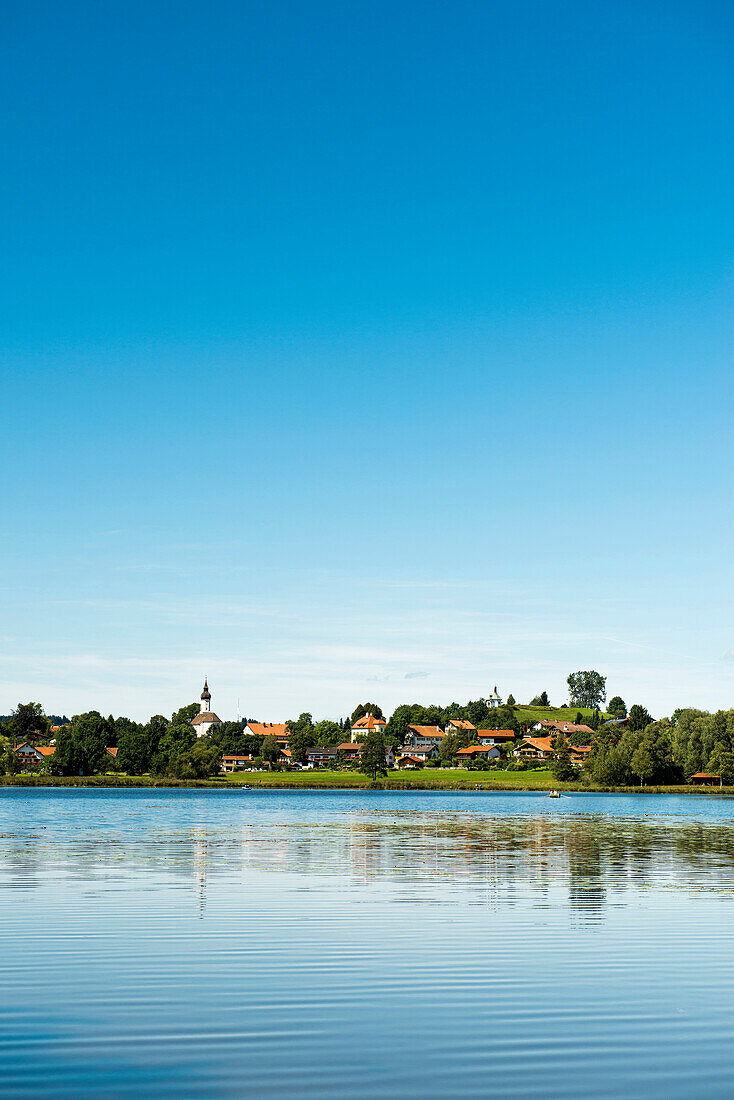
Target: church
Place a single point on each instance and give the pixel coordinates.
(206, 720)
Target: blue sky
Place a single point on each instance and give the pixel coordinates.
(365, 351)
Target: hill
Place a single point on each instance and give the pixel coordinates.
(552, 714)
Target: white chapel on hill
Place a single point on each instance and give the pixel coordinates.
(206, 720)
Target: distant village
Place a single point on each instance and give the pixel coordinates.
(614, 747)
(419, 746)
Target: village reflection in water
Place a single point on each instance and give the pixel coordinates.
(421, 854)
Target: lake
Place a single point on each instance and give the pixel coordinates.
(365, 944)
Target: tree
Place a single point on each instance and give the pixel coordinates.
(366, 708)
(175, 741)
(29, 722)
(201, 761)
(301, 737)
(721, 762)
(639, 717)
(540, 700)
(561, 765)
(616, 707)
(270, 750)
(81, 747)
(449, 747)
(642, 764)
(185, 714)
(372, 760)
(511, 700)
(587, 689)
(327, 732)
(134, 752)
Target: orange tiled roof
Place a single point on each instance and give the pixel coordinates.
(269, 729)
(112, 750)
(477, 748)
(368, 722)
(48, 750)
(428, 731)
(352, 746)
(460, 724)
(496, 733)
(566, 727)
(541, 743)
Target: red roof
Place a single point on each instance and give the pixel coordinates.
(506, 734)
(368, 722)
(269, 729)
(566, 727)
(49, 750)
(476, 748)
(112, 750)
(349, 746)
(543, 744)
(460, 724)
(429, 732)
(705, 775)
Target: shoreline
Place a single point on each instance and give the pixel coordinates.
(277, 782)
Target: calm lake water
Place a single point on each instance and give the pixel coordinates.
(208, 943)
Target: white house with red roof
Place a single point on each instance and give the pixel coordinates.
(367, 724)
(206, 720)
(279, 731)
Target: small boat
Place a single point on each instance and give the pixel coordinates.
(555, 794)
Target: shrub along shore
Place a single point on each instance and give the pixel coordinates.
(539, 781)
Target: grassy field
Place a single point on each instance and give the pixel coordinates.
(426, 779)
(552, 714)
(420, 779)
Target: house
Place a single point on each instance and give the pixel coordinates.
(570, 729)
(206, 720)
(410, 762)
(321, 755)
(424, 735)
(494, 700)
(236, 762)
(279, 731)
(494, 737)
(366, 724)
(706, 779)
(420, 752)
(349, 751)
(535, 748)
(474, 752)
(459, 725)
(32, 755)
(579, 753)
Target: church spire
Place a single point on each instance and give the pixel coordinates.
(205, 698)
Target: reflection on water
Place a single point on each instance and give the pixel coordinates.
(400, 944)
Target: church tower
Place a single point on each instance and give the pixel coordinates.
(205, 698)
(206, 720)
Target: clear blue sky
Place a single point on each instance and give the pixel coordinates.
(365, 350)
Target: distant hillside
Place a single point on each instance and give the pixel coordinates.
(552, 714)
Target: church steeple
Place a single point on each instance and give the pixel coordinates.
(205, 699)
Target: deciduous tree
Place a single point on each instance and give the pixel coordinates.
(587, 689)
(372, 760)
